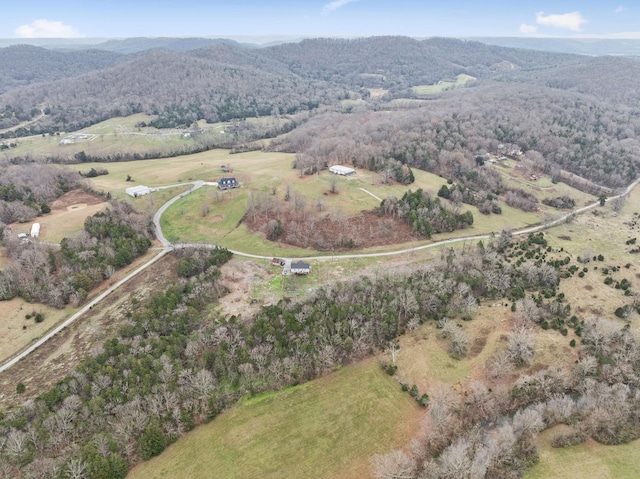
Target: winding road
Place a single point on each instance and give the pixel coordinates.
(168, 247)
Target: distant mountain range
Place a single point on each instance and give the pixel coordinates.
(179, 80)
(581, 46)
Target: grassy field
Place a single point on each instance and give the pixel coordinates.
(65, 223)
(260, 172)
(116, 135)
(585, 460)
(443, 85)
(17, 331)
(328, 428)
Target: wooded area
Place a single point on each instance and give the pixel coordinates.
(176, 362)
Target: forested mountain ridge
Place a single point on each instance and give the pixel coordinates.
(225, 80)
(26, 64)
(171, 84)
(403, 61)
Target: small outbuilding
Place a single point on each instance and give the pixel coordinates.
(35, 230)
(139, 190)
(226, 183)
(341, 170)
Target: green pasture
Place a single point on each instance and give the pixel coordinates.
(590, 459)
(442, 85)
(259, 172)
(327, 428)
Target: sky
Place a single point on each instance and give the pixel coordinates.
(415, 18)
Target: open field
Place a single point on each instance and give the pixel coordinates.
(327, 428)
(109, 137)
(585, 460)
(66, 219)
(261, 173)
(17, 331)
(443, 85)
(602, 231)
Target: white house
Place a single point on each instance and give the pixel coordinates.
(300, 267)
(139, 190)
(35, 230)
(341, 170)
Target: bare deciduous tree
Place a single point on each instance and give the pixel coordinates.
(394, 465)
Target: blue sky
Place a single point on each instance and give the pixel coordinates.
(212, 18)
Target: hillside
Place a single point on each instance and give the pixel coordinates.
(225, 80)
(25, 64)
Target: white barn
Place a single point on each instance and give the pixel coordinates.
(341, 170)
(139, 190)
(35, 230)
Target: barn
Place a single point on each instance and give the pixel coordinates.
(139, 190)
(341, 170)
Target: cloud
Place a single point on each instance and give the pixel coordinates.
(524, 28)
(570, 21)
(43, 28)
(620, 9)
(331, 6)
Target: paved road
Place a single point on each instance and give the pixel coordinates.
(78, 314)
(167, 247)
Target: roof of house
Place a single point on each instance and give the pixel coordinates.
(300, 265)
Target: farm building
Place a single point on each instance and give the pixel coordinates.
(226, 183)
(300, 267)
(341, 170)
(139, 190)
(35, 230)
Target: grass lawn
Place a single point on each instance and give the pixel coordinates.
(590, 460)
(328, 428)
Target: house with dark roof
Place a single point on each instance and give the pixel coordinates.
(300, 267)
(226, 183)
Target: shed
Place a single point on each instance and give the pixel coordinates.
(139, 190)
(35, 230)
(226, 183)
(341, 170)
(300, 267)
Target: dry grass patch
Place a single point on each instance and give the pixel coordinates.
(425, 361)
(17, 331)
